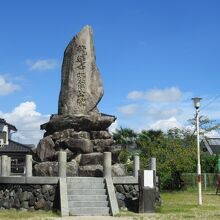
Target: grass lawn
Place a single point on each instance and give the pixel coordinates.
(35, 215)
(175, 206)
(183, 205)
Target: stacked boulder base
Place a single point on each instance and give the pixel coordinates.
(127, 196)
(83, 142)
(79, 128)
(28, 197)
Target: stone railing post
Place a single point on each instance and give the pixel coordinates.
(136, 166)
(28, 165)
(0, 165)
(62, 163)
(9, 166)
(4, 164)
(153, 165)
(107, 164)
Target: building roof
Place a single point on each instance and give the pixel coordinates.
(212, 145)
(11, 127)
(14, 146)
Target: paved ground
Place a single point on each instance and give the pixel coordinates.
(135, 217)
(96, 218)
(84, 218)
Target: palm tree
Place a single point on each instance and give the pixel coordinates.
(125, 137)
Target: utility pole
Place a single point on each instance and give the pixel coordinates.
(196, 101)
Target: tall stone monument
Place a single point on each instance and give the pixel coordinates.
(81, 86)
(78, 128)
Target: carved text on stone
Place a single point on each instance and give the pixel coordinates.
(81, 77)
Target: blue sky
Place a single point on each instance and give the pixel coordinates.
(154, 56)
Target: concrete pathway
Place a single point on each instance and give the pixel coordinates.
(90, 218)
(96, 218)
(135, 217)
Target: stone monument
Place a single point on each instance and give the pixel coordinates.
(78, 128)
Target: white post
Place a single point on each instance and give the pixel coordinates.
(4, 164)
(9, 166)
(136, 166)
(198, 160)
(107, 164)
(0, 165)
(62, 163)
(205, 181)
(153, 165)
(28, 165)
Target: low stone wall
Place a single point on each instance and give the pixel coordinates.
(42, 193)
(29, 197)
(127, 196)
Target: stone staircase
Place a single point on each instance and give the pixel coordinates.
(87, 196)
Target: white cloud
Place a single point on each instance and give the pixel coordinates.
(134, 95)
(213, 134)
(164, 109)
(27, 120)
(164, 113)
(128, 109)
(157, 109)
(40, 65)
(113, 126)
(7, 87)
(171, 94)
(166, 124)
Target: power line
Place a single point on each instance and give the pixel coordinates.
(211, 101)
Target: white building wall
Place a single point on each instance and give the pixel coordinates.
(4, 127)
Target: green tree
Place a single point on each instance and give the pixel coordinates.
(125, 137)
(209, 163)
(206, 125)
(146, 141)
(175, 153)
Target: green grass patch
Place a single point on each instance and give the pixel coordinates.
(175, 206)
(38, 215)
(183, 205)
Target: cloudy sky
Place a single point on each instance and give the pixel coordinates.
(154, 56)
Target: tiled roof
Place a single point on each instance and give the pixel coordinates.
(215, 149)
(12, 127)
(213, 141)
(15, 147)
(212, 144)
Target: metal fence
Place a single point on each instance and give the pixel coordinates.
(208, 180)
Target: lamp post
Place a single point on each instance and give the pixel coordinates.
(196, 101)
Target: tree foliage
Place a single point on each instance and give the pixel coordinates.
(175, 151)
(124, 137)
(206, 125)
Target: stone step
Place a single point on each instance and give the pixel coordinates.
(87, 196)
(84, 179)
(95, 211)
(76, 204)
(85, 185)
(86, 191)
(95, 198)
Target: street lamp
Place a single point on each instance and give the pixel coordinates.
(196, 101)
